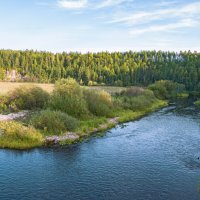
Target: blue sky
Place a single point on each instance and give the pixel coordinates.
(100, 25)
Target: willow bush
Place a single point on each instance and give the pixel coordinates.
(68, 97)
(53, 122)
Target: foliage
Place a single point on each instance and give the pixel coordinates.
(91, 124)
(99, 102)
(127, 68)
(53, 122)
(3, 106)
(135, 99)
(197, 103)
(27, 98)
(15, 135)
(165, 89)
(127, 115)
(2, 73)
(68, 97)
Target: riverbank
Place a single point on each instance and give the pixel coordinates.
(94, 126)
(122, 117)
(70, 113)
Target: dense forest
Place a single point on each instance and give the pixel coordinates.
(121, 69)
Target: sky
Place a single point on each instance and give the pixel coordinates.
(100, 25)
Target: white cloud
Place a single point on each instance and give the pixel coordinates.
(72, 4)
(166, 3)
(109, 3)
(97, 4)
(142, 17)
(186, 23)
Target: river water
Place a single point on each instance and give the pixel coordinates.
(156, 157)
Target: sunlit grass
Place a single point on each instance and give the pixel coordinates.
(6, 87)
(16, 136)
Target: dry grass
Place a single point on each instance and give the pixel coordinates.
(10, 86)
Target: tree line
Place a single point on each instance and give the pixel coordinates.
(117, 68)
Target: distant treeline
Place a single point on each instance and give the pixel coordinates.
(121, 69)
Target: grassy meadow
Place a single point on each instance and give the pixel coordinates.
(68, 109)
(6, 87)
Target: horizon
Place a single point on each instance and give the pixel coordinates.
(100, 26)
(96, 52)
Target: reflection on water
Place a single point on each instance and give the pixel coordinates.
(157, 157)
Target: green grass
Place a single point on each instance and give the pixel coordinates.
(14, 135)
(129, 115)
(90, 125)
(183, 95)
(197, 103)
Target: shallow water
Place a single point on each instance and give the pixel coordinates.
(150, 159)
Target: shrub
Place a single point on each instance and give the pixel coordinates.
(135, 102)
(165, 89)
(99, 102)
(68, 97)
(27, 98)
(53, 122)
(15, 135)
(197, 103)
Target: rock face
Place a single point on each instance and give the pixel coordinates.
(12, 75)
(13, 116)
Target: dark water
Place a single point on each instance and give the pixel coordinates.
(151, 159)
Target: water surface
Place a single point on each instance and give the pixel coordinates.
(150, 159)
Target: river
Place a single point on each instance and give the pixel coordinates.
(154, 158)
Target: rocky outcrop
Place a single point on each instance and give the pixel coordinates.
(55, 139)
(13, 116)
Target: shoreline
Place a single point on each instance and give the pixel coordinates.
(73, 137)
(69, 138)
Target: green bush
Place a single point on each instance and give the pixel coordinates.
(27, 98)
(68, 97)
(135, 101)
(15, 135)
(53, 122)
(197, 103)
(165, 89)
(99, 102)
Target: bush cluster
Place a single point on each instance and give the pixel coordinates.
(197, 103)
(135, 99)
(68, 97)
(166, 89)
(53, 122)
(99, 102)
(25, 98)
